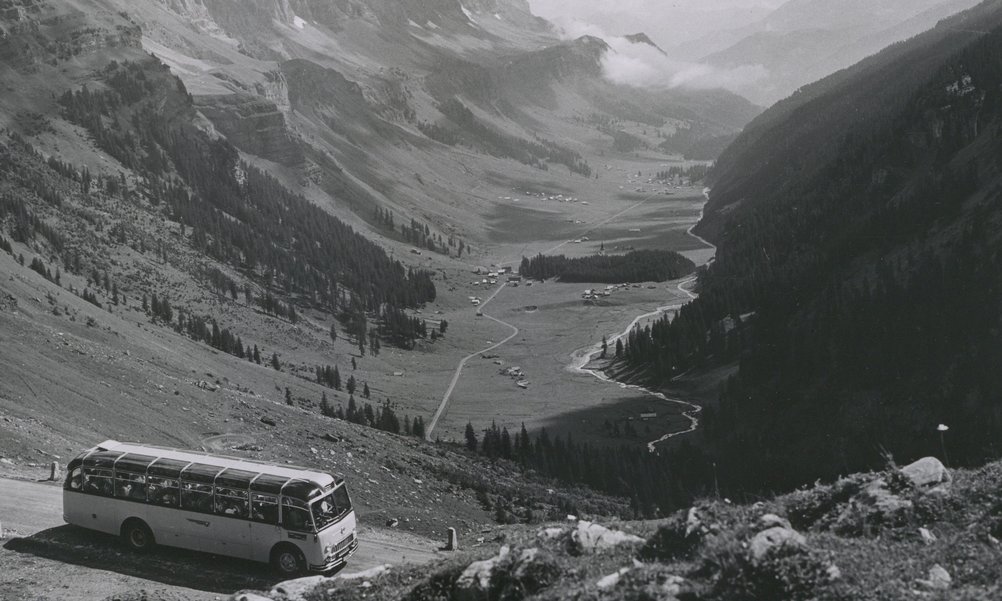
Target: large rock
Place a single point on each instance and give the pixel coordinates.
(939, 578)
(533, 571)
(778, 536)
(295, 590)
(590, 537)
(474, 584)
(771, 520)
(927, 472)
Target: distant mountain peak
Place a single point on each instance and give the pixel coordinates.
(642, 38)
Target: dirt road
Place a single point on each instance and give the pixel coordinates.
(44, 559)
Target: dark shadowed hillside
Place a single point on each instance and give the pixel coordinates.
(857, 278)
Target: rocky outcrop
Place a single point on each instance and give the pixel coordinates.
(766, 540)
(33, 33)
(507, 575)
(252, 124)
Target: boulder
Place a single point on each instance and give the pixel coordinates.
(927, 536)
(474, 584)
(366, 574)
(939, 579)
(927, 472)
(249, 597)
(533, 571)
(771, 520)
(774, 537)
(591, 537)
(693, 523)
(551, 533)
(295, 590)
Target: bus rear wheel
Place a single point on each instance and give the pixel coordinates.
(137, 535)
(288, 561)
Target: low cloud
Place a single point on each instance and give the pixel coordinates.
(642, 65)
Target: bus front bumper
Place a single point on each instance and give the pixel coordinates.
(338, 559)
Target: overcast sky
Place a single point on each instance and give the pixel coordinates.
(668, 22)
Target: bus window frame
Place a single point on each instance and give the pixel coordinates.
(255, 500)
(299, 505)
(163, 487)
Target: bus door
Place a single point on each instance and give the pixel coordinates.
(232, 510)
(264, 529)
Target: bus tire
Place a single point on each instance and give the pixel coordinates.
(287, 560)
(137, 536)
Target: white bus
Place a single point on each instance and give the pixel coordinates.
(297, 519)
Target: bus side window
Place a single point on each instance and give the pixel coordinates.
(231, 502)
(98, 482)
(196, 497)
(163, 491)
(295, 516)
(130, 486)
(264, 508)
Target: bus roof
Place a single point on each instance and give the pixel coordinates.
(321, 479)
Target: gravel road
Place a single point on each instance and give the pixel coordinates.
(44, 559)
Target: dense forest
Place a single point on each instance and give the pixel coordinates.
(859, 292)
(635, 266)
(232, 211)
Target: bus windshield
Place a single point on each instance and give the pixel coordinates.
(331, 507)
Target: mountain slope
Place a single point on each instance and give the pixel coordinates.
(805, 40)
(856, 281)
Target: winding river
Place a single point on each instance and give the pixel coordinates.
(581, 358)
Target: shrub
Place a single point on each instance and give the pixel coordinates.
(786, 572)
(807, 508)
(440, 586)
(671, 542)
(532, 572)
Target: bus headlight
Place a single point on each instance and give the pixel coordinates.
(328, 550)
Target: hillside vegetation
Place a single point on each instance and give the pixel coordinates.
(856, 283)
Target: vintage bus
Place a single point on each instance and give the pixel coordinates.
(295, 518)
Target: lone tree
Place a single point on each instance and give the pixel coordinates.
(288, 396)
(605, 346)
(365, 390)
(275, 362)
(471, 437)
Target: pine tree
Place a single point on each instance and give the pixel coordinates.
(365, 390)
(288, 395)
(605, 346)
(257, 355)
(275, 364)
(350, 385)
(471, 437)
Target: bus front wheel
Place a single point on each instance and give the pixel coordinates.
(137, 535)
(288, 561)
